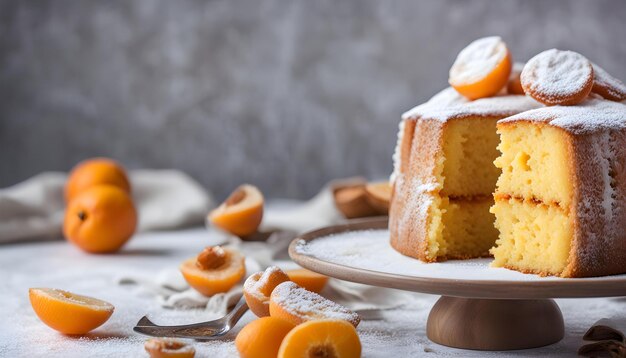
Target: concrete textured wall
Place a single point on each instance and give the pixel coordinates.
(286, 94)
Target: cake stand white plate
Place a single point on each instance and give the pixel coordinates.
(481, 307)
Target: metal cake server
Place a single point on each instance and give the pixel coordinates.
(201, 331)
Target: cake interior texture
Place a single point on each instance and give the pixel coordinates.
(533, 199)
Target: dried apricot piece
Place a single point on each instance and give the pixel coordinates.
(68, 312)
(294, 304)
(556, 77)
(258, 288)
(168, 348)
(262, 338)
(607, 86)
(482, 68)
(241, 213)
(308, 280)
(321, 338)
(215, 270)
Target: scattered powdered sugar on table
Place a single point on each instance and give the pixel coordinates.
(477, 60)
(370, 250)
(592, 115)
(309, 305)
(557, 73)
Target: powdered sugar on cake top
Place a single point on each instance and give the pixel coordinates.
(592, 115)
(309, 305)
(449, 104)
(477, 60)
(556, 73)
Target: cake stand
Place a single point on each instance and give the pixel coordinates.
(480, 307)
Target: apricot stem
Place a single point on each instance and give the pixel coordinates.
(82, 215)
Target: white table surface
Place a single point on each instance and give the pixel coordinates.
(60, 265)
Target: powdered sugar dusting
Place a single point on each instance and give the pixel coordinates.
(449, 104)
(593, 115)
(396, 153)
(557, 74)
(477, 60)
(254, 287)
(309, 305)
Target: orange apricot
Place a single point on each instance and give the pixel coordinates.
(482, 68)
(100, 219)
(95, 171)
(309, 280)
(379, 196)
(321, 338)
(168, 348)
(68, 312)
(262, 338)
(296, 305)
(258, 288)
(241, 213)
(214, 270)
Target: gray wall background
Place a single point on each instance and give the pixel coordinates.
(286, 94)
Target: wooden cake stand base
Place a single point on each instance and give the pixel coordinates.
(494, 325)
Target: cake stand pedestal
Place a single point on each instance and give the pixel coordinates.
(480, 308)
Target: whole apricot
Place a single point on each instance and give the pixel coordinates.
(101, 219)
(95, 171)
(262, 338)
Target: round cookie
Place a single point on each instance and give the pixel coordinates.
(607, 86)
(556, 77)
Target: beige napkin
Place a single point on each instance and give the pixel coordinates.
(166, 199)
(608, 335)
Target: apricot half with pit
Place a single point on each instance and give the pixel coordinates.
(241, 213)
(215, 270)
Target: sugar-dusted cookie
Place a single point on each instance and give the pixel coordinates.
(556, 77)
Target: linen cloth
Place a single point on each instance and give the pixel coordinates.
(166, 199)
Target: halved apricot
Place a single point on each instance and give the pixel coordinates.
(296, 305)
(321, 338)
(379, 196)
(241, 213)
(258, 288)
(262, 338)
(168, 348)
(68, 312)
(309, 280)
(214, 270)
(482, 68)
